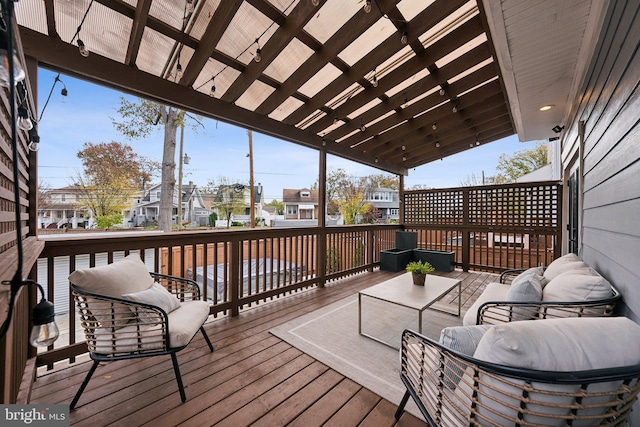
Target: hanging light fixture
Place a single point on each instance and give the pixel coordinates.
(404, 158)
(362, 127)
(178, 70)
(34, 139)
(190, 6)
(315, 2)
(24, 121)
(441, 92)
(405, 38)
(258, 56)
(374, 81)
(434, 126)
(82, 48)
(212, 92)
(367, 6)
(18, 71)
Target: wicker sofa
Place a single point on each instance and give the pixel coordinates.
(568, 287)
(571, 371)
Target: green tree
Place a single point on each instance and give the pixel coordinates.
(229, 197)
(112, 174)
(522, 162)
(138, 120)
(277, 205)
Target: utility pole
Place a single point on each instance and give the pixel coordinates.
(251, 189)
(179, 218)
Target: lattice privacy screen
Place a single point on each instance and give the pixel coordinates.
(514, 205)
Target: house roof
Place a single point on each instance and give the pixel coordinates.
(294, 196)
(333, 76)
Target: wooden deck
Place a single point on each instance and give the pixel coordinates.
(252, 377)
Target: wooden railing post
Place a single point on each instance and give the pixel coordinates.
(466, 232)
(371, 235)
(236, 259)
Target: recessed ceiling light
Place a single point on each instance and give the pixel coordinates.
(546, 107)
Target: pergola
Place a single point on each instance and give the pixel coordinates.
(391, 84)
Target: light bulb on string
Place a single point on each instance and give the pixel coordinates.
(190, 6)
(82, 48)
(367, 6)
(178, 70)
(258, 56)
(405, 38)
(315, 2)
(24, 122)
(374, 82)
(362, 127)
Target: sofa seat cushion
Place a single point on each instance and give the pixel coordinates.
(493, 292)
(557, 345)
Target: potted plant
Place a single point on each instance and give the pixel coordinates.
(419, 271)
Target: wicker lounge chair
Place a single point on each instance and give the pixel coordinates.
(452, 389)
(125, 326)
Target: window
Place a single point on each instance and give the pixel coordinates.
(305, 194)
(157, 194)
(292, 210)
(63, 197)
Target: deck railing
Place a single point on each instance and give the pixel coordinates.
(235, 269)
(489, 228)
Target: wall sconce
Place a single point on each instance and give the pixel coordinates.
(557, 128)
(45, 330)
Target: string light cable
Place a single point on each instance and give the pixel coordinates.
(45, 330)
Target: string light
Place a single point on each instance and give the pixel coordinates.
(315, 2)
(82, 48)
(441, 92)
(374, 82)
(258, 56)
(362, 127)
(367, 6)
(190, 6)
(404, 158)
(405, 38)
(24, 122)
(437, 145)
(434, 126)
(212, 92)
(18, 71)
(178, 70)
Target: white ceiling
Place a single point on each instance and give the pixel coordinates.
(543, 49)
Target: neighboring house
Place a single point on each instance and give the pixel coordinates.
(62, 207)
(242, 197)
(387, 201)
(300, 204)
(147, 207)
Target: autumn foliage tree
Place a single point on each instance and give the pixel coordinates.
(112, 174)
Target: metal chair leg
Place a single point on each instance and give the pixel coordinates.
(176, 369)
(84, 384)
(402, 404)
(206, 338)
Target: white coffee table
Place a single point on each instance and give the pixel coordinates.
(401, 291)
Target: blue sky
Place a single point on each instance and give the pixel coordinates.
(218, 150)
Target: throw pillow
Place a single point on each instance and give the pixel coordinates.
(537, 271)
(113, 280)
(463, 339)
(579, 285)
(566, 262)
(526, 289)
(156, 295)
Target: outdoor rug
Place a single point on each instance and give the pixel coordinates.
(330, 335)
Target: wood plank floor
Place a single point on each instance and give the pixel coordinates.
(252, 377)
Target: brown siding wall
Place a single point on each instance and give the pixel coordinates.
(610, 111)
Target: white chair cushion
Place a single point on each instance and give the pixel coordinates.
(493, 292)
(185, 321)
(156, 295)
(533, 271)
(122, 277)
(565, 345)
(566, 262)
